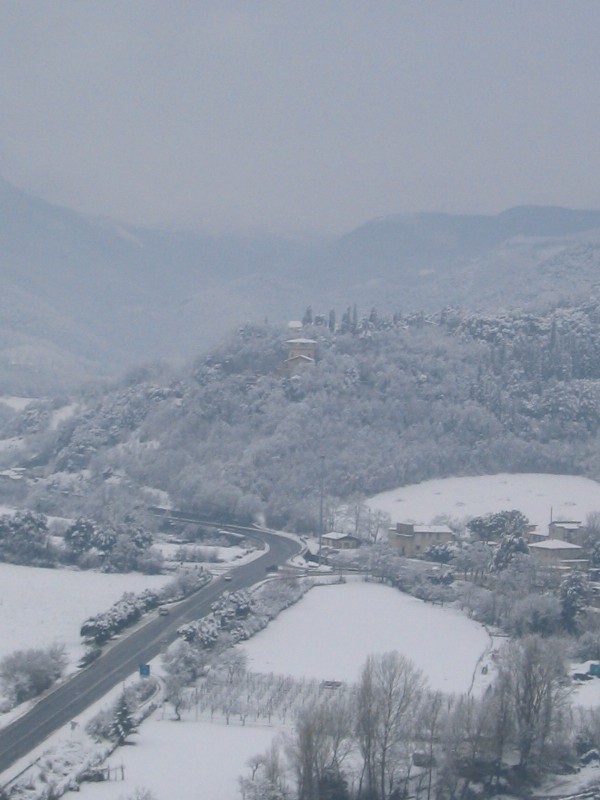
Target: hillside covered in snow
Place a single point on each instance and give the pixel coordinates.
(388, 401)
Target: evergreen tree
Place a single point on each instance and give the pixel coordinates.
(122, 722)
(495, 526)
(79, 537)
(574, 597)
(507, 549)
(307, 319)
(333, 785)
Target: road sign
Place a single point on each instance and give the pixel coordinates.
(144, 670)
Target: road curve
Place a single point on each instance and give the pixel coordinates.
(123, 658)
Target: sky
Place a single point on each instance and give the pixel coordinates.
(299, 117)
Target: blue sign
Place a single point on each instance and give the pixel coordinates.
(144, 670)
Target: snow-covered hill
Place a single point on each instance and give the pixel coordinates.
(82, 297)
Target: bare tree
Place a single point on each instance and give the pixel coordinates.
(182, 664)
(429, 724)
(389, 694)
(534, 671)
(321, 741)
(267, 781)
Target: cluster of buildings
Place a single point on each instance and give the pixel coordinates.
(561, 546)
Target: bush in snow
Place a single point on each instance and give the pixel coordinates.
(24, 539)
(130, 607)
(238, 615)
(123, 548)
(587, 646)
(27, 673)
(124, 612)
(102, 725)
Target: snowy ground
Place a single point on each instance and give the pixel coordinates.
(537, 496)
(42, 606)
(184, 760)
(216, 553)
(16, 403)
(331, 632)
(328, 634)
(63, 414)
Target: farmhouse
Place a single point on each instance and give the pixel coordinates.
(567, 530)
(558, 553)
(339, 541)
(413, 540)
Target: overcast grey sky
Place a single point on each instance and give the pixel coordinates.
(308, 116)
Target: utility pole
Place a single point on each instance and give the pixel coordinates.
(321, 484)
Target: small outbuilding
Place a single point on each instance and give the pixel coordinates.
(339, 541)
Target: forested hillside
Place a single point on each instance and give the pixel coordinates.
(388, 402)
(83, 298)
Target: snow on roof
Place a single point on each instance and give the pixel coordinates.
(432, 529)
(335, 535)
(301, 341)
(567, 525)
(555, 544)
(301, 358)
(295, 325)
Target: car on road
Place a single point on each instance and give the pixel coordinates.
(271, 568)
(163, 611)
(227, 578)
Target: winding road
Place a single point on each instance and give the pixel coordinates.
(124, 656)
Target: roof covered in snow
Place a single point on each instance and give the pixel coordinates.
(567, 525)
(555, 544)
(337, 535)
(432, 529)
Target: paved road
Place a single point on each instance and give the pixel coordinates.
(123, 658)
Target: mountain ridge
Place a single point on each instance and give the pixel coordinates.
(110, 295)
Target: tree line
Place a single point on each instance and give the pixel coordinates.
(389, 401)
(392, 736)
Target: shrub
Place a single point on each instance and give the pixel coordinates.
(27, 673)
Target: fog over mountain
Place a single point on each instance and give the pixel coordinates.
(84, 297)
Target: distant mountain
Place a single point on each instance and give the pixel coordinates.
(427, 261)
(107, 295)
(84, 298)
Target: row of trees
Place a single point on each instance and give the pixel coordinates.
(25, 538)
(102, 626)
(112, 548)
(234, 617)
(391, 736)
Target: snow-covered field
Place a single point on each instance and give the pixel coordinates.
(42, 606)
(535, 495)
(184, 760)
(326, 635)
(329, 634)
(16, 403)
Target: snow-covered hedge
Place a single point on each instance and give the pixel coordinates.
(130, 607)
(237, 616)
